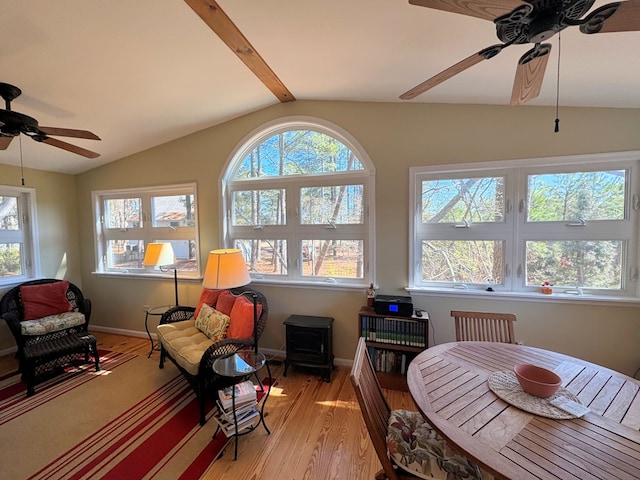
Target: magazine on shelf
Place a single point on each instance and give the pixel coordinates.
(244, 421)
(227, 413)
(244, 392)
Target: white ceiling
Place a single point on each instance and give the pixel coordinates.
(139, 73)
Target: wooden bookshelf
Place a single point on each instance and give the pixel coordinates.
(393, 341)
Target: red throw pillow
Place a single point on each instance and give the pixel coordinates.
(225, 302)
(210, 297)
(47, 299)
(241, 322)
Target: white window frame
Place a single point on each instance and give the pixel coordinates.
(147, 233)
(514, 231)
(293, 231)
(27, 235)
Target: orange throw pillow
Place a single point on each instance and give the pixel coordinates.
(210, 297)
(225, 302)
(241, 322)
(43, 300)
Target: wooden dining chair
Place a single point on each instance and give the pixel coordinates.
(484, 326)
(402, 439)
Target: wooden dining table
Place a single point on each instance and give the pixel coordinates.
(449, 384)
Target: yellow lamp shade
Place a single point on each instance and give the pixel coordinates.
(225, 269)
(158, 254)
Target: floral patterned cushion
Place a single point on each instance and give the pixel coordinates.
(417, 448)
(212, 323)
(52, 323)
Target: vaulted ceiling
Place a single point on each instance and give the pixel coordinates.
(141, 73)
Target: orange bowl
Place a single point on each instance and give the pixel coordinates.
(537, 381)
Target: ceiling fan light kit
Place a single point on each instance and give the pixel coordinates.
(13, 123)
(520, 22)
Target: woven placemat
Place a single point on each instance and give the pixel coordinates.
(505, 385)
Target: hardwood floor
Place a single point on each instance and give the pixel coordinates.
(317, 431)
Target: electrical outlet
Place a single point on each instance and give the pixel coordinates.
(146, 308)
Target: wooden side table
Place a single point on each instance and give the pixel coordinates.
(309, 342)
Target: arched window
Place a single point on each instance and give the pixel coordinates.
(298, 201)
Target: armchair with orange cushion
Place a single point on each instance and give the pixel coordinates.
(221, 324)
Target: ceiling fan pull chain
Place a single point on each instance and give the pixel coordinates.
(21, 164)
(557, 127)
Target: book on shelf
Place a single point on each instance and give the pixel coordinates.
(389, 361)
(244, 392)
(395, 331)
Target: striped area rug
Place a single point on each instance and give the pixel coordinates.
(129, 421)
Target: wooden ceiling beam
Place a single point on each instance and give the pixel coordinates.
(211, 13)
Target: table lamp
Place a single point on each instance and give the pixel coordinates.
(226, 269)
(160, 254)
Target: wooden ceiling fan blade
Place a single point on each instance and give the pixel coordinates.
(459, 67)
(5, 142)
(485, 9)
(69, 132)
(614, 17)
(530, 74)
(67, 146)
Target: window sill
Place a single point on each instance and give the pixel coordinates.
(147, 276)
(256, 281)
(337, 285)
(584, 299)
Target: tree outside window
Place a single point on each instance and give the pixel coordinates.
(298, 197)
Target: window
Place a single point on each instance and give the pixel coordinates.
(299, 202)
(126, 220)
(511, 226)
(18, 235)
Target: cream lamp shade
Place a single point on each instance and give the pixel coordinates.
(158, 255)
(225, 269)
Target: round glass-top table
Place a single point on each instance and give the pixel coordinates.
(239, 366)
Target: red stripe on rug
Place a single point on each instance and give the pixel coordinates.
(143, 439)
(207, 456)
(100, 448)
(16, 387)
(7, 375)
(213, 450)
(157, 446)
(151, 451)
(13, 395)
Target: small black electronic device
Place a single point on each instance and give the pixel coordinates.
(393, 305)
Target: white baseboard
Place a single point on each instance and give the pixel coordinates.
(122, 331)
(271, 352)
(281, 354)
(8, 351)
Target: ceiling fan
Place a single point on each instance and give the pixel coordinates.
(531, 21)
(14, 123)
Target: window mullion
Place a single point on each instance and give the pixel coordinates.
(309, 163)
(595, 185)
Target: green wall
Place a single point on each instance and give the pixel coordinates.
(396, 137)
(57, 213)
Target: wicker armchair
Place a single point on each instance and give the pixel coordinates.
(12, 311)
(206, 381)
